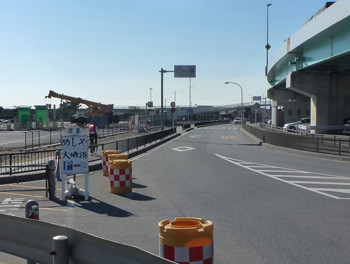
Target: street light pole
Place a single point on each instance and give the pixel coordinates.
(162, 71)
(150, 94)
(267, 38)
(242, 115)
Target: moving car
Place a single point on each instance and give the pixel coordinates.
(303, 125)
(237, 120)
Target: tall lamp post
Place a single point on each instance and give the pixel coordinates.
(150, 94)
(242, 115)
(267, 39)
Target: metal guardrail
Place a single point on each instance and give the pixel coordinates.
(37, 138)
(326, 144)
(14, 163)
(31, 161)
(17, 238)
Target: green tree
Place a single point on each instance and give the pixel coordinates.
(67, 110)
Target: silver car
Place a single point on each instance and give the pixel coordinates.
(303, 124)
(237, 120)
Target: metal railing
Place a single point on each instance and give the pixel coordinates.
(31, 161)
(37, 138)
(72, 246)
(326, 144)
(14, 163)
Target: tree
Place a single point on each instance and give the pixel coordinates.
(67, 109)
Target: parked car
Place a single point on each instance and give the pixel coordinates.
(237, 120)
(303, 125)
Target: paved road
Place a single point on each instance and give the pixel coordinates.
(268, 205)
(28, 139)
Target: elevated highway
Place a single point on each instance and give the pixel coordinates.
(310, 74)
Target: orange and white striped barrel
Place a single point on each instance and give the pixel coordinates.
(186, 240)
(120, 176)
(115, 157)
(105, 154)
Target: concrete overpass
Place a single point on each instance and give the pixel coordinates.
(203, 113)
(310, 74)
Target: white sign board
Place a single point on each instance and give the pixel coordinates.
(185, 71)
(74, 154)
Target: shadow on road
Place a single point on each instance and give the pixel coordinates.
(100, 207)
(137, 197)
(139, 186)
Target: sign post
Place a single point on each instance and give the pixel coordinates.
(180, 71)
(74, 156)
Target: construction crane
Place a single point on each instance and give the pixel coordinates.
(95, 111)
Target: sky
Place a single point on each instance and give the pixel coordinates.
(111, 51)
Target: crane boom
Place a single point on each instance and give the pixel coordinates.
(94, 109)
(79, 100)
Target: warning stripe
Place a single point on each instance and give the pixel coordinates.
(188, 255)
(120, 177)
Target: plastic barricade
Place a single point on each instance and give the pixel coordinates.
(105, 154)
(186, 240)
(120, 176)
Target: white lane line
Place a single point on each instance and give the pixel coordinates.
(334, 190)
(325, 183)
(294, 183)
(312, 177)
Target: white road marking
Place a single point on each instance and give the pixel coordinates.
(326, 183)
(11, 204)
(290, 175)
(184, 148)
(196, 136)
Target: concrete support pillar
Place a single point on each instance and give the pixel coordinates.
(313, 112)
(274, 113)
(326, 92)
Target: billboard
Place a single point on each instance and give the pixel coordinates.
(185, 71)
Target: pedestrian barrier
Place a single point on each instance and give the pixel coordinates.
(120, 176)
(186, 240)
(105, 154)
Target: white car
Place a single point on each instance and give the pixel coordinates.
(237, 120)
(303, 125)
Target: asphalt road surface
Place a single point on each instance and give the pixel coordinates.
(268, 205)
(28, 139)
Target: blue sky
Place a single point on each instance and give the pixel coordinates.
(111, 51)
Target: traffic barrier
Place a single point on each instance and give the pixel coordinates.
(32, 210)
(112, 157)
(105, 154)
(120, 176)
(118, 157)
(186, 240)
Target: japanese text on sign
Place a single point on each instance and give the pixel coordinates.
(75, 151)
